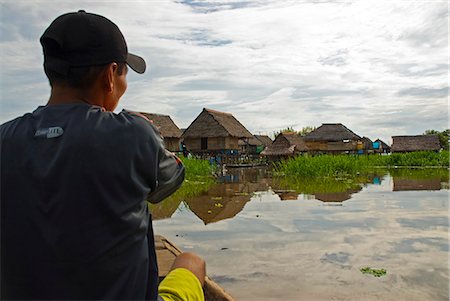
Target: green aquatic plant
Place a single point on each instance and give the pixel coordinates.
(374, 272)
(346, 166)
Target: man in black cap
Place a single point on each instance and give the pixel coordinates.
(75, 178)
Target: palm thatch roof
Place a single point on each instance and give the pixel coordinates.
(286, 143)
(331, 132)
(266, 141)
(250, 141)
(415, 143)
(211, 123)
(368, 144)
(165, 124)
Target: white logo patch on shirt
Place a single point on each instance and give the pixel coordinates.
(51, 132)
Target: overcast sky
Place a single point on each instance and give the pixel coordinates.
(378, 67)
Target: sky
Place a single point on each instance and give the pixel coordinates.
(379, 67)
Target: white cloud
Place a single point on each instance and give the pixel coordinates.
(270, 63)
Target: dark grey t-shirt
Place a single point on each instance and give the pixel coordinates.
(74, 217)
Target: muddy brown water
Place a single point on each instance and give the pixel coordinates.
(265, 238)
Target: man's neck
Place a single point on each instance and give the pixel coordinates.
(67, 95)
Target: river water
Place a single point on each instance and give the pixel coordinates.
(264, 238)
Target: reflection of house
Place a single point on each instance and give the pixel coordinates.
(168, 130)
(287, 195)
(214, 131)
(286, 144)
(381, 147)
(403, 184)
(332, 138)
(333, 196)
(164, 209)
(221, 202)
(415, 143)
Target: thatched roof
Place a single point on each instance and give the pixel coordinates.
(415, 143)
(250, 141)
(287, 143)
(265, 140)
(368, 144)
(211, 123)
(331, 132)
(165, 124)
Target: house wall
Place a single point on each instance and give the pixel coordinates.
(331, 146)
(172, 144)
(214, 143)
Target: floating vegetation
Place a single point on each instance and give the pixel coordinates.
(374, 272)
(345, 166)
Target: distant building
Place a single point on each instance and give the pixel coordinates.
(168, 129)
(286, 144)
(216, 132)
(366, 146)
(332, 138)
(266, 141)
(250, 146)
(402, 144)
(379, 146)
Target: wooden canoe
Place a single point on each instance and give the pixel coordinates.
(166, 252)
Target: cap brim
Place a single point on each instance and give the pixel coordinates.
(136, 63)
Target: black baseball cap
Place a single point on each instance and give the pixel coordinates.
(80, 39)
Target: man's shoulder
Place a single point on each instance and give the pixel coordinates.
(139, 121)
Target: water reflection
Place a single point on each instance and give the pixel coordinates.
(235, 187)
(268, 238)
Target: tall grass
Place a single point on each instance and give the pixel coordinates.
(197, 168)
(349, 165)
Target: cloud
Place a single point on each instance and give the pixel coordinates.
(270, 63)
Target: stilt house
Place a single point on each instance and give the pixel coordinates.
(168, 129)
(403, 144)
(215, 132)
(381, 147)
(286, 144)
(334, 138)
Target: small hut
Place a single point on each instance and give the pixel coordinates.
(379, 146)
(403, 144)
(286, 144)
(332, 138)
(250, 146)
(266, 141)
(215, 132)
(168, 129)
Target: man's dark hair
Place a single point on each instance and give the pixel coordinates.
(79, 77)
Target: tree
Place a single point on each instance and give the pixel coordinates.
(303, 132)
(306, 130)
(443, 137)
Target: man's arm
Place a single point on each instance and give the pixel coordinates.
(170, 176)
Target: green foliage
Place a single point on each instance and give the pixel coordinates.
(344, 166)
(197, 168)
(306, 130)
(374, 272)
(443, 137)
(418, 159)
(303, 132)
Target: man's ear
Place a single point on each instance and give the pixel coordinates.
(109, 76)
